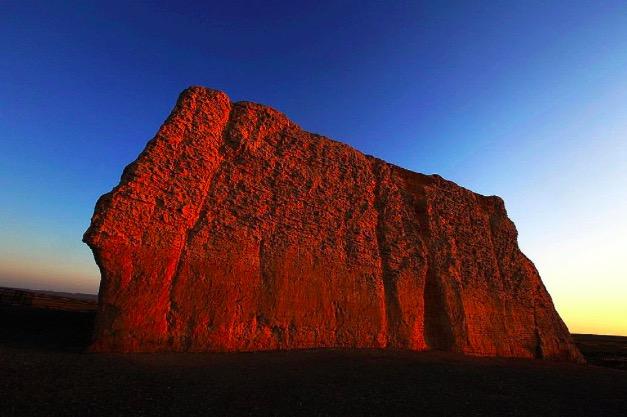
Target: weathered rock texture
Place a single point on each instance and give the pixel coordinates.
(237, 230)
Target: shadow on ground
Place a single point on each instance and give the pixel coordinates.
(44, 371)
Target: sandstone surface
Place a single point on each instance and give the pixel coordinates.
(235, 230)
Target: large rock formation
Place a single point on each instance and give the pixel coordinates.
(237, 230)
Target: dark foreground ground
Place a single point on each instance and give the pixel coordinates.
(45, 372)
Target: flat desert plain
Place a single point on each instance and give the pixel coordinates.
(46, 371)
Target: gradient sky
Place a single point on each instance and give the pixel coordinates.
(525, 100)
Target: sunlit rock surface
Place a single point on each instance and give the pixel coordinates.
(236, 230)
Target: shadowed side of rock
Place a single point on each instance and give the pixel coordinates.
(236, 230)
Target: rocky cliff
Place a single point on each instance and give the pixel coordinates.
(236, 230)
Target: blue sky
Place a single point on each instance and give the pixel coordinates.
(526, 100)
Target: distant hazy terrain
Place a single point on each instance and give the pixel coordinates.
(602, 350)
(48, 299)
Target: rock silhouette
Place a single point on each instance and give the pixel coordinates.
(236, 230)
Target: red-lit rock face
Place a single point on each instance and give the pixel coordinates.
(236, 230)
